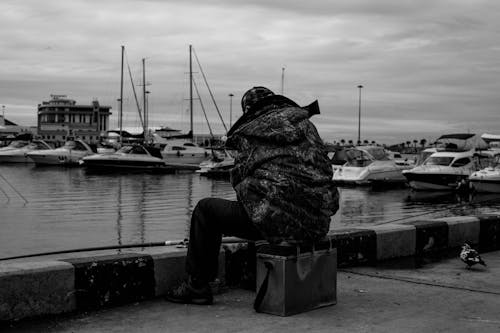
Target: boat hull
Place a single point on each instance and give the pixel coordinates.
(109, 163)
(174, 159)
(364, 176)
(435, 182)
(485, 186)
(56, 159)
(15, 158)
(487, 180)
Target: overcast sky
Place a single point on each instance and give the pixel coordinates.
(427, 67)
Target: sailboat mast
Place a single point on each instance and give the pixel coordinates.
(191, 90)
(144, 98)
(120, 116)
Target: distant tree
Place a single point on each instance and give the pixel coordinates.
(359, 142)
(342, 141)
(415, 143)
(423, 142)
(350, 142)
(373, 142)
(408, 143)
(365, 142)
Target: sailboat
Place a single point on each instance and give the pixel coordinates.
(130, 157)
(185, 154)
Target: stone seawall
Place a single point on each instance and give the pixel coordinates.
(89, 282)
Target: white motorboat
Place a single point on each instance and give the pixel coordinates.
(69, 154)
(20, 155)
(443, 170)
(450, 166)
(130, 157)
(487, 179)
(366, 165)
(183, 154)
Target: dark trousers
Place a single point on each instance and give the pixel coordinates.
(212, 218)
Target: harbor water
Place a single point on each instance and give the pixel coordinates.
(54, 208)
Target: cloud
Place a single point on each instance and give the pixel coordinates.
(426, 66)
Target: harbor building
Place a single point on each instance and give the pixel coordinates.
(61, 117)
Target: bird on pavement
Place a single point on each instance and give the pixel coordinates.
(470, 256)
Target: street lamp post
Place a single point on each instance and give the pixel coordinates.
(359, 114)
(230, 110)
(282, 80)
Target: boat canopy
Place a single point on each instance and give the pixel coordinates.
(18, 144)
(490, 137)
(461, 142)
(378, 153)
(458, 136)
(362, 156)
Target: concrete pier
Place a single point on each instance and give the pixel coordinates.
(440, 297)
(92, 281)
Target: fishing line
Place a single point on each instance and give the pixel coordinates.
(6, 195)
(13, 188)
(438, 210)
(414, 281)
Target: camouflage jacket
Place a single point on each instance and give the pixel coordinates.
(282, 174)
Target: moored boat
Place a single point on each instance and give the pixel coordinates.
(444, 170)
(488, 179)
(16, 144)
(183, 154)
(69, 154)
(20, 155)
(365, 165)
(449, 166)
(131, 157)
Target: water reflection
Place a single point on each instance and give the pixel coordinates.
(51, 208)
(363, 206)
(119, 213)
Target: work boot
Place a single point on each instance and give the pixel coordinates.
(191, 293)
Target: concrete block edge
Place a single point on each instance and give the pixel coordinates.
(177, 258)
